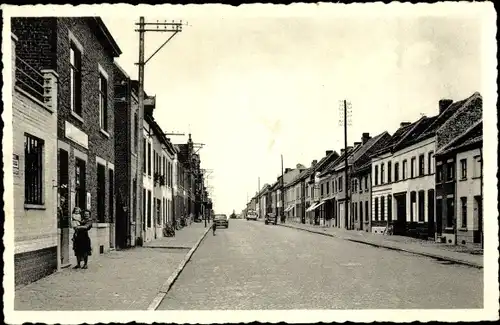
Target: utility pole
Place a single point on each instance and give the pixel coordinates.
(258, 197)
(282, 212)
(172, 27)
(345, 123)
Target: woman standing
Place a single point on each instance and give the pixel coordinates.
(82, 244)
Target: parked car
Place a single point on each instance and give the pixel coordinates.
(271, 218)
(221, 220)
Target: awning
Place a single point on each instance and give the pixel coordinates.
(312, 207)
(320, 204)
(289, 208)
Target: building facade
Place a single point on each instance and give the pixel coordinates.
(81, 51)
(37, 229)
(459, 191)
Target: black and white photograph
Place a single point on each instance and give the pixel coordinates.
(212, 163)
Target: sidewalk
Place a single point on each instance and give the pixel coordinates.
(432, 249)
(120, 280)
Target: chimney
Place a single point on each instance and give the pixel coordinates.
(314, 162)
(349, 148)
(443, 104)
(342, 151)
(287, 170)
(365, 137)
(357, 144)
(404, 124)
(328, 152)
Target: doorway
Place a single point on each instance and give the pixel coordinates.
(478, 215)
(400, 224)
(430, 214)
(64, 205)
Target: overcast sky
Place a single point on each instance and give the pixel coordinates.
(251, 88)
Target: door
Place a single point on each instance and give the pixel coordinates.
(399, 226)
(430, 214)
(478, 215)
(64, 206)
(342, 215)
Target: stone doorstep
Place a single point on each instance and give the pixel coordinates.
(394, 245)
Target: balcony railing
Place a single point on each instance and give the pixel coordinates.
(29, 79)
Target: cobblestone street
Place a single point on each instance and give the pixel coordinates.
(119, 280)
(254, 266)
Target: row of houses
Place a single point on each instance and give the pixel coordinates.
(80, 139)
(424, 180)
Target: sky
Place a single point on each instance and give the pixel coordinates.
(251, 87)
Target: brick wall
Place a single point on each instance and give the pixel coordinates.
(34, 265)
(93, 54)
(35, 230)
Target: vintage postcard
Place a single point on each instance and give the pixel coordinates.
(273, 163)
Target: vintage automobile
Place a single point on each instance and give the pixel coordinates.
(221, 220)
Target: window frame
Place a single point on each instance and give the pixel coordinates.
(103, 92)
(463, 168)
(75, 83)
(37, 176)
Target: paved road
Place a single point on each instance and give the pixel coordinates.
(254, 266)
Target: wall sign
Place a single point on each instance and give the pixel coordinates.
(15, 164)
(88, 201)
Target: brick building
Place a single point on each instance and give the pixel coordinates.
(81, 51)
(128, 159)
(459, 209)
(34, 121)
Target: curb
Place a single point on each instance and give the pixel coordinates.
(435, 256)
(171, 279)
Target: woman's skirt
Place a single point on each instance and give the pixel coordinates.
(82, 245)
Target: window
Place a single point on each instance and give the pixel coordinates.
(382, 208)
(439, 174)
(450, 171)
(111, 194)
(336, 181)
(376, 209)
(366, 210)
(356, 211)
(389, 208)
(33, 170)
(421, 165)
(464, 211)
(103, 102)
(405, 168)
(463, 164)
(376, 175)
(101, 194)
(389, 172)
(340, 184)
(413, 205)
(360, 184)
(421, 206)
(450, 213)
(382, 174)
(322, 189)
(477, 166)
(366, 183)
(396, 172)
(430, 162)
(412, 172)
(149, 158)
(144, 159)
(327, 188)
(75, 82)
(361, 211)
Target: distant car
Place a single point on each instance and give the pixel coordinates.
(221, 220)
(252, 216)
(271, 218)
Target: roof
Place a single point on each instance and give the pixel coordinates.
(395, 138)
(300, 176)
(158, 132)
(337, 161)
(474, 135)
(105, 37)
(374, 144)
(443, 117)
